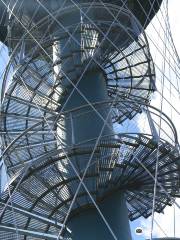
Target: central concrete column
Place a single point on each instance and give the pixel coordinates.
(88, 224)
(79, 129)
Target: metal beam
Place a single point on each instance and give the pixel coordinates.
(37, 106)
(15, 115)
(50, 154)
(34, 145)
(33, 233)
(23, 83)
(152, 126)
(36, 131)
(34, 215)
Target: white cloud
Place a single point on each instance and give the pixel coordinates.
(165, 221)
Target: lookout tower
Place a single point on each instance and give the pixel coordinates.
(78, 67)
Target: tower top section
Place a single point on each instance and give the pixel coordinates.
(143, 10)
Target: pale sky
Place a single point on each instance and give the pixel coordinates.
(166, 220)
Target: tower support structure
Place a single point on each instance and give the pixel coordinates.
(79, 67)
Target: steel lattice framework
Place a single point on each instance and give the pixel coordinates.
(76, 68)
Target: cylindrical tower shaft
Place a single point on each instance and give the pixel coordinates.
(89, 224)
(81, 129)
